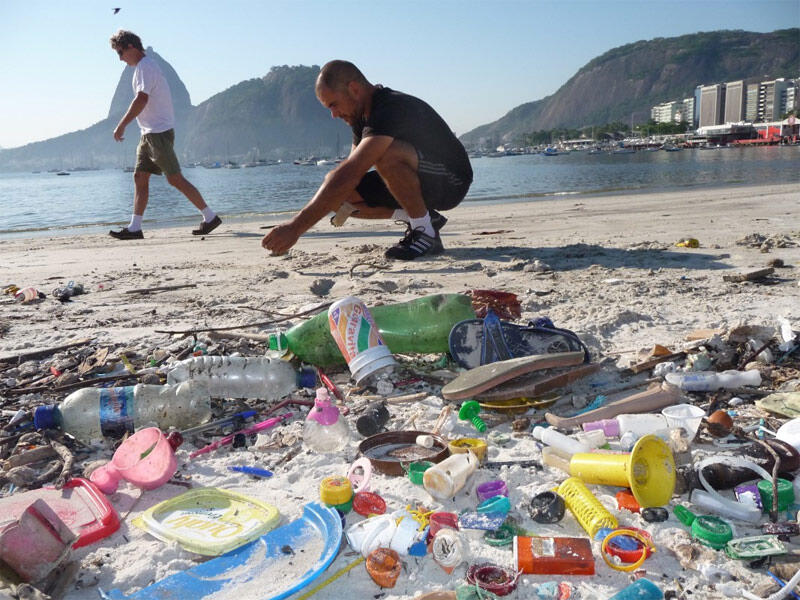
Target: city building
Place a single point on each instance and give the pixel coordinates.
(712, 103)
(666, 112)
(735, 101)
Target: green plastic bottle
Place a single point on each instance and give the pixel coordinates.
(419, 326)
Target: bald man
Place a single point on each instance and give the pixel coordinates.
(420, 167)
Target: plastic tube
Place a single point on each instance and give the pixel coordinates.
(554, 438)
(712, 500)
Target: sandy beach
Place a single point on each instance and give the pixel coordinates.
(606, 267)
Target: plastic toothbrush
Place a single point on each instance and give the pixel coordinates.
(250, 430)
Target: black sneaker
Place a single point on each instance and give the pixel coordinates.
(207, 227)
(125, 234)
(438, 220)
(414, 244)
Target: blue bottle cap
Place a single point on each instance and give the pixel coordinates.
(44, 417)
(307, 378)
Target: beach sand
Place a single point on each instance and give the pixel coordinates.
(606, 267)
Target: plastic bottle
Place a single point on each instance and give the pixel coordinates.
(445, 480)
(325, 430)
(639, 424)
(92, 413)
(242, 376)
(705, 381)
(558, 440)
(418, 326)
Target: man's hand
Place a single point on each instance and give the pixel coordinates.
(119, 132)
(280, 239)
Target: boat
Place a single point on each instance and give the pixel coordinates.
(671, 148)
(550, 151)
(63, 173)
(623, 150)
(323, 162)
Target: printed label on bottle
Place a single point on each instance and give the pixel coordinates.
(116, 411)
(543, 546)
(353, 328)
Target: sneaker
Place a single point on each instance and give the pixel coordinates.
(207, 227)
(414, 244)
(125, 234)
(438, 220)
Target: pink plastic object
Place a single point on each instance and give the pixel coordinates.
(610, 427)
(490, 489)
(360, 479)
(440, 520)
(228, 439)
(323, 412)
(146, 459)
(79, 504)
(36, 543)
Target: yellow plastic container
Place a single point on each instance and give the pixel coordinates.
(649, 470)
(463, 445)
(335, 490)
(587, 509)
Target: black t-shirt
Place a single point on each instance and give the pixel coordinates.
(411, 120)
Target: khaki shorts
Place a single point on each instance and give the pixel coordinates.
(155, 154)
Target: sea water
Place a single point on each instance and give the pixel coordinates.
(33, 204)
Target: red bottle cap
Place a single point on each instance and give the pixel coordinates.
(367, 503)
(626, 500)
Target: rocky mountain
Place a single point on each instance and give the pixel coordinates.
(276, 116)
(627, 81)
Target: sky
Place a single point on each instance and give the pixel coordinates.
(472, 60)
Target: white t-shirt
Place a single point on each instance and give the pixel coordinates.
(157, 115)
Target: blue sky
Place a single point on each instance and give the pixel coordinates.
(473, 60)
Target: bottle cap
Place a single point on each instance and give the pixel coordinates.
(323, 412)
(712, 531)
(547, 507)
(278, 341)
(307, 378)
(785, 494)
(335, 490)
(44, 417)
(367, 503)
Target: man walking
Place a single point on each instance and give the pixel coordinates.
(152, 109)
(420, 166)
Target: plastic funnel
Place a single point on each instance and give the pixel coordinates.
(146, 459)
(649, 470)
(687, 416)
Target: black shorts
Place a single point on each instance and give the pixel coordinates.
(441, 189)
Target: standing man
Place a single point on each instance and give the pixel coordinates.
(420, 166)
(152, 109)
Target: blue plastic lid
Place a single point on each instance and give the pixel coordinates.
(307, 378)
(44, 417)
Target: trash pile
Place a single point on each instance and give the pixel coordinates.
(698, 446)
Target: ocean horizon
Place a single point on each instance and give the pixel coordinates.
(44, 204)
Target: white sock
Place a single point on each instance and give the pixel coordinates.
(425, 223)
(400, 215)
(208, 214)
(136, 223)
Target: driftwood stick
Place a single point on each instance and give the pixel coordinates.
(71, 386)
(66, 458)
(163, 288)
(223, 335)
(246, 325)
(20, 358)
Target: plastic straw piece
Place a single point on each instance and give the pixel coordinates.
(255, 471)
(332, 578)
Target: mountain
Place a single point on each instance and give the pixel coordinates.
(276, 116)
(630, 79)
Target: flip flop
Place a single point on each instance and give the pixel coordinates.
(477, 342)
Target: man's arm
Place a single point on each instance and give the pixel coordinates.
(136, 107)
(336, 188)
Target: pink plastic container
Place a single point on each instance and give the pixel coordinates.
(441, 520)
(146, 459)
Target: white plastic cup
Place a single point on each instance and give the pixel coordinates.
(687, 416)
(358, 338)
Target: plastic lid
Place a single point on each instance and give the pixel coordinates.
(307, 378)
(712, 530)
(367, 503)
(44, 417)
(323, 412)
(785, 494)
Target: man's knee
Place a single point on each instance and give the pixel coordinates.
(175, 180)
(141, 177)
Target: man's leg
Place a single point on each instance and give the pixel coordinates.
(210, 219)
(141, 194)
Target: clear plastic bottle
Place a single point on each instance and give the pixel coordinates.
(325, 429)
(554, 438)
(94, 413)
(258, 377)
(706, 381)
